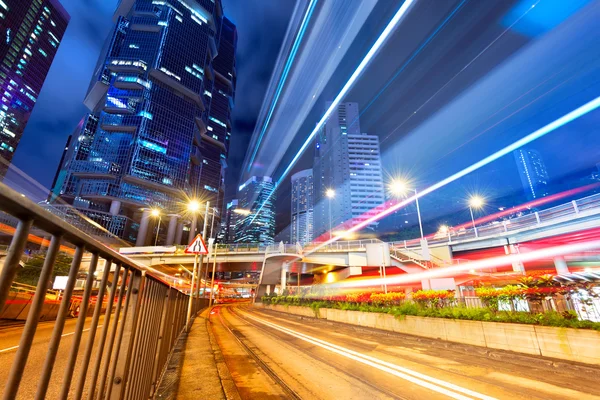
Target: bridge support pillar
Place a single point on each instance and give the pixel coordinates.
(179, 233)
(284, 269)
(518, 265)
(143, 231)
(173, 223)
(561, 265)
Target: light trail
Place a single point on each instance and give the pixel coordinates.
(565, 119)
(347, 86)
(446, 388)
(286, 70)
(451, 271)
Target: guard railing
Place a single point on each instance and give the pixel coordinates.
(144, 315)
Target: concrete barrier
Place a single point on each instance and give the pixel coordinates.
(579, 345)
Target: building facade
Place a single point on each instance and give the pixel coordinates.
(302, 207)
(533, 173)
(256, 209)
(348, 163)
(159, 128)
(228, 223)
(31, 31)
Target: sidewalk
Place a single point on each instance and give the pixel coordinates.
(197, 370)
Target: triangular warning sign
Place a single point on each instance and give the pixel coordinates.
(197, 246)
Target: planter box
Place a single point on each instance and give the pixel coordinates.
(580, 345)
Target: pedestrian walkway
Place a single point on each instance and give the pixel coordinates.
(197, 369)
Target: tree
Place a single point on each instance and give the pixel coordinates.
(30, 273)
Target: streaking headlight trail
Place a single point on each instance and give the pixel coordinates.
(565, 119)
(389, 29)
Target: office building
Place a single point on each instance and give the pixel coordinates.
(302, 207)
(256, 209)
(159, 125)
(31, 32)
(348, 163)
(228, 223)
(533, 173)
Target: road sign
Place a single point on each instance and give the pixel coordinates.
(197, 246)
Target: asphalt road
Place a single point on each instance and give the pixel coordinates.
(274, 356)
(9, 341)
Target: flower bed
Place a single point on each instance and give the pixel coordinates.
(442, 304)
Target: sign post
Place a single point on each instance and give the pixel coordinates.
(196, 247)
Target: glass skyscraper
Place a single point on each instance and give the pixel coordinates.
(30, 31)
(159, 128)
(533, 173)
(302, 207)
(349, 163)
(256, 206)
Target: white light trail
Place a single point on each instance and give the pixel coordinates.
(449, 389)
(565, 119)
(487, 263)
(391, 26)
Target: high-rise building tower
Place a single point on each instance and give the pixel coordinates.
(159, 128)
(302, 207)
(30, 33)
(348, 163)
(256, 220)
(533, 173)
(228, 223)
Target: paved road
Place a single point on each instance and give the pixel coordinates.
(275, 356)
(9, 341)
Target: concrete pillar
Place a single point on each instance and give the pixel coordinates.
(179, 233)
(143, 231)
(171, 230)
(193, 229)
(115, 207)
(561, 266)
(517, 265)
(284, 269)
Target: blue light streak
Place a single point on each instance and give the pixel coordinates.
(355, 75)
(286, 70)
(565, 119)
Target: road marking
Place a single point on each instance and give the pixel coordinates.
(437, 385)
(63, 335)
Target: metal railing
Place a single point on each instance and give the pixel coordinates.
(580, 208)
(143, 318)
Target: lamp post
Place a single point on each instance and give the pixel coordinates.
(330, 193)
(193, 207)
(399, 188)
(475, 202)
(156, 213)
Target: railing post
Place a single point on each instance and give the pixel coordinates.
(93, 327)
(68, 376)
(120, 367)
(160, 341)
(574, 202)
(59, 325)
(18, 365)
(13, 257)
(537, 217)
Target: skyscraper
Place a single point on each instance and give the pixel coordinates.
(228, 223)
(302, 207)
(348, 163)
(159, 128)
(256, 222)
(533, 173)
(31, 31)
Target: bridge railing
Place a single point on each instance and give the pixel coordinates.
(575, 209)
(143, 318)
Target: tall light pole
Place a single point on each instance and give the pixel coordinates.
(399, 188)
(475, 202)
(156, 213)
(330, 193)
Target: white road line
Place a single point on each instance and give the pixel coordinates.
(438, 385)
(63, 335)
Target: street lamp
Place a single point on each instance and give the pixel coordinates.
(155, 212)
(475, 202)
(399, 188)
(330, 193)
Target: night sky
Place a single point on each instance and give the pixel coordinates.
(261, 26)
